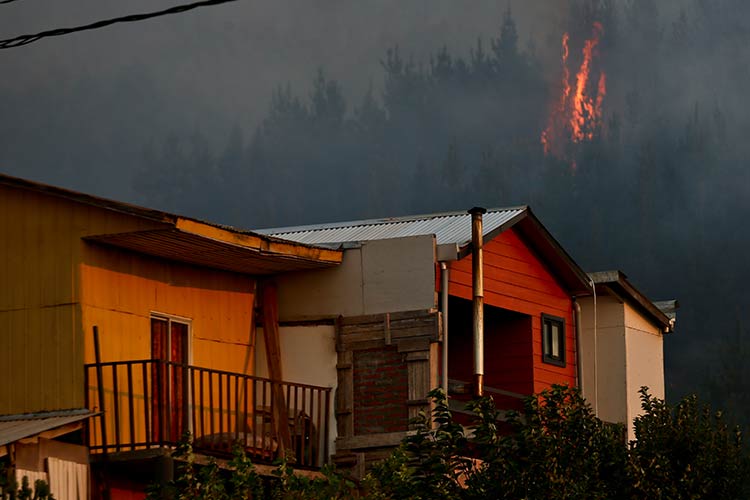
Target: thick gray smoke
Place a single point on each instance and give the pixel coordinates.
(271, 112)
(80, 110)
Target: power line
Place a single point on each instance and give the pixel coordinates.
(27, 39)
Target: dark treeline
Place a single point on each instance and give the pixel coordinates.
(659, 190)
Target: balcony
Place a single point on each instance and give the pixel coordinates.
(150, 404)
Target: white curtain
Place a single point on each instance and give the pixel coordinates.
(68, 480)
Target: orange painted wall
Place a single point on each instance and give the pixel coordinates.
(56, 286)
(120, 290)
(515, 279)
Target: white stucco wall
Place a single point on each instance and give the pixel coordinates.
(376, 277)
(604, 373)
(629, 355)
(645, 362)
(308, 356)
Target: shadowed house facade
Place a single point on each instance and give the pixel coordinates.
(124, 327)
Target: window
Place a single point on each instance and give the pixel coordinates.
(553, 340)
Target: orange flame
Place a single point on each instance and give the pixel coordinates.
(577, 117)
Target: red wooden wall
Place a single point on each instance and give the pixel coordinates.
(507, 346)
(516, 280)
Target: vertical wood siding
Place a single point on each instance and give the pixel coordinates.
(515, 279)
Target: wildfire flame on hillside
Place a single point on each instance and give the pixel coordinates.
(578, 113)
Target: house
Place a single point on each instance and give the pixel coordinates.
(401, 310)
(622, 347)
(121, 328)
(402, 302)
(124, 327)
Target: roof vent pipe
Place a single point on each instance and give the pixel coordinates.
(478, 297)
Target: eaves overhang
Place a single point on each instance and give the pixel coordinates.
(206, 245)
(616, 283)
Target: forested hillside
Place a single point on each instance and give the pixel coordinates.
(648, 171)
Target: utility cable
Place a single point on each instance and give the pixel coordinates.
(27, 39)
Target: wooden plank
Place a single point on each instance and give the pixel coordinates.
(379, 318)
(360, 346)
(418, 377)
(273, 359)
(415, 344)
(345, 394)
(378, 440)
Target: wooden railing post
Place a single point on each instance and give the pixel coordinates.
(100, 387)
(257, 416)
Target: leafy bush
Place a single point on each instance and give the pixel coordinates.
(686, 451)
(554, 448)
(10, 490)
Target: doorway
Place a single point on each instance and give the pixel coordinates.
(169, 376)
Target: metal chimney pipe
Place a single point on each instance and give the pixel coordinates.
(478, 297)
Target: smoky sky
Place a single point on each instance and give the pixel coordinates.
(663, 195)
(79, 110)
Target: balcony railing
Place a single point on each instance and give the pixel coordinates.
(153, 404)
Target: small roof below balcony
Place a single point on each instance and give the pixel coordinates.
(48, 424)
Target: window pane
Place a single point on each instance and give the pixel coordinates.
(555, 340)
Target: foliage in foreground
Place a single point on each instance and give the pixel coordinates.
(554, 448)
(11, 490)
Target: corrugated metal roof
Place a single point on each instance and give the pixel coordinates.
(448, 228)
(15, 427)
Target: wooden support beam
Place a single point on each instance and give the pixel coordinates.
(280, 415)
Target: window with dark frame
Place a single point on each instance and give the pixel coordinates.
(553, 340)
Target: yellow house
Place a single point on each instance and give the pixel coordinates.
(147, 319)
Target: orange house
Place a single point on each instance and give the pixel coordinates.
(121, 328)
(403, 303)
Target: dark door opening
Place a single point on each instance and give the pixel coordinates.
(169, 343)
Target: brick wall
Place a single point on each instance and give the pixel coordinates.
(380, 391)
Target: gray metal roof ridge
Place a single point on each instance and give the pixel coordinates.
(378, 221)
